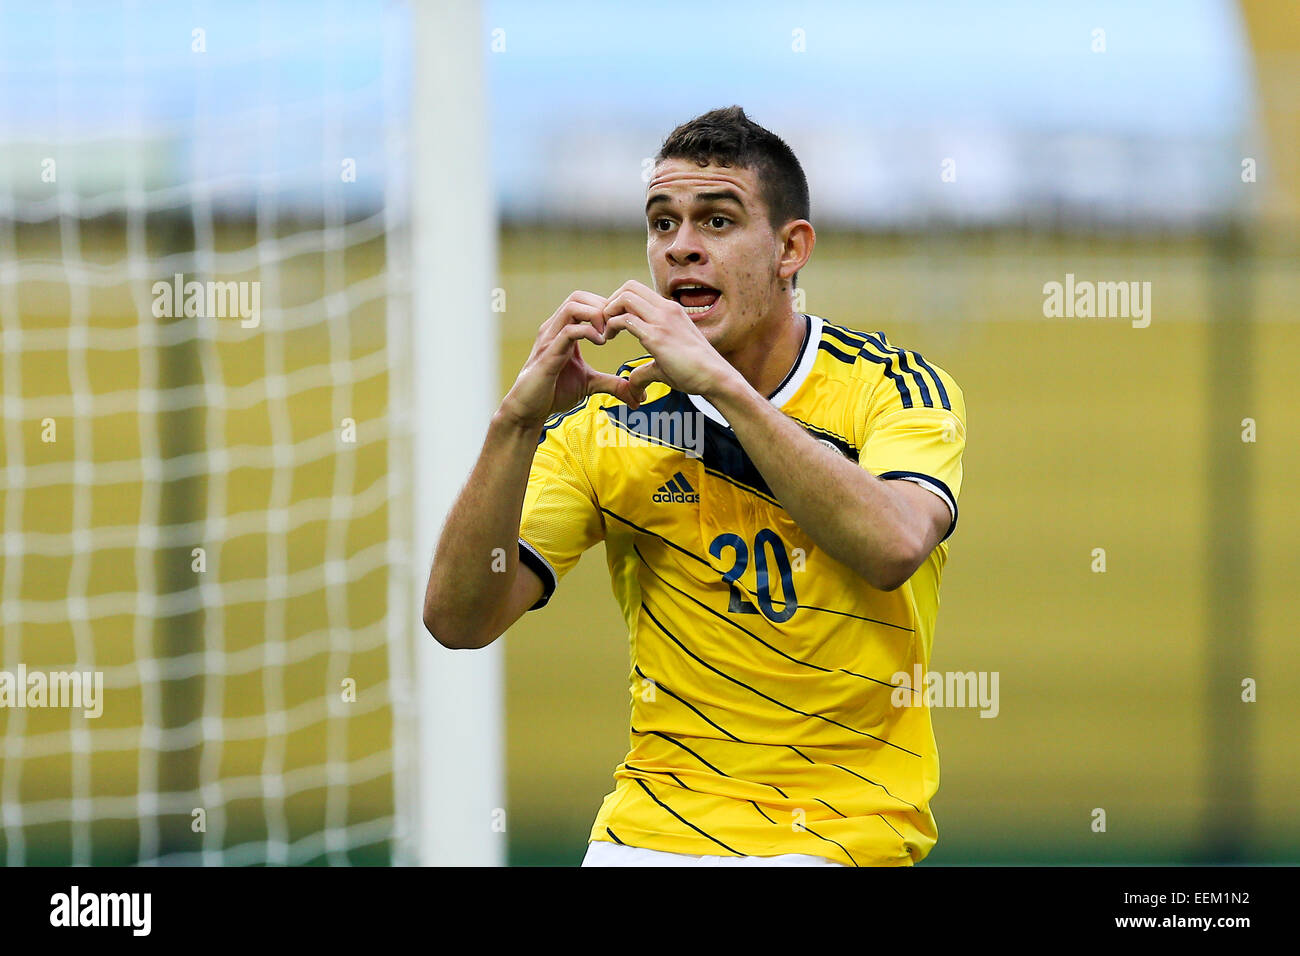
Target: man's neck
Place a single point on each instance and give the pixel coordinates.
(767, 359)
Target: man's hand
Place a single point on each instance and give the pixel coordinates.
(683, 357)
(468, 602)
(555, 377)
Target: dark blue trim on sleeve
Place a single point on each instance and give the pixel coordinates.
(534, 562)
(947, 492)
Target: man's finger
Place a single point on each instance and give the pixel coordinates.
(574, 313)
(635, 287)
(615, 385)
(636, 298)
(624, 320)
(580, 306)
(559, 349)
(642, 376)
(588, 307)
(621, 303)
(619, 290)
(578, 297)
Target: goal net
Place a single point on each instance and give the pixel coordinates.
(205, 305)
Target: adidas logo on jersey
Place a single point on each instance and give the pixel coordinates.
(677, 491)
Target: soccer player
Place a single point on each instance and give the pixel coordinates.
(775, 493)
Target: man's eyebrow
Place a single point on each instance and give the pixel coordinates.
(724, 195)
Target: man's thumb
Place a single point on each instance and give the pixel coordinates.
(642, 376)
(607, 384)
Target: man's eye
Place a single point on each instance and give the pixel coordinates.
(658, 224)
(715, 220)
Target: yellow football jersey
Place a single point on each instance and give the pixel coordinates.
(767, 717)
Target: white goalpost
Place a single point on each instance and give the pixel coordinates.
(460, 728)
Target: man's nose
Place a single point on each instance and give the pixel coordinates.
(686, 246)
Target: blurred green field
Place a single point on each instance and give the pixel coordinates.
(1083, 434)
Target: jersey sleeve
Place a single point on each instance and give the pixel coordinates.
(915, 428)
(561, 516)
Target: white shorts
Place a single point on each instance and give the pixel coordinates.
(604, 853)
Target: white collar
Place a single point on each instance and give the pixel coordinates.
(803, 365)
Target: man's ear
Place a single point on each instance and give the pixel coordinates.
(797, 240)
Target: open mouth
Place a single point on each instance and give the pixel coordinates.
(697, 300)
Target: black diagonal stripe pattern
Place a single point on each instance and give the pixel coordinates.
(851, 357)
(809, 830)
(875, 784)
(853, 730)
(801, 753)
(888, 824)
(650, 794)
(874, 347)
(636, 527)
(938, 381)
(669, 773)
(719, 772)
(858, 775)
(726, 620)
(773, 786)
(829, 840)
(687, 704)
(856, 617)
(696, 557)
(829, 807)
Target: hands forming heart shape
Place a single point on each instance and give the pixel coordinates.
(556, 377)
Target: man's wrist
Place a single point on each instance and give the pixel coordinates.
(732, 391)
(508, 425)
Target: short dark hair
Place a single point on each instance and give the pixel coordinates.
(727, 137)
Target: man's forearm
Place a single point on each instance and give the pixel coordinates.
(485, 517)
(851, 514)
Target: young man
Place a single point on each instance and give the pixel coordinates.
(774, 492)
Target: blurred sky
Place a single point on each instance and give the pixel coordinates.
(583, 91)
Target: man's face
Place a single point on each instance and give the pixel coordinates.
(708, 226)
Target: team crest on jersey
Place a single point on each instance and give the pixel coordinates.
(677, 490)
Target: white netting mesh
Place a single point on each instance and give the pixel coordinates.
(261, 689)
